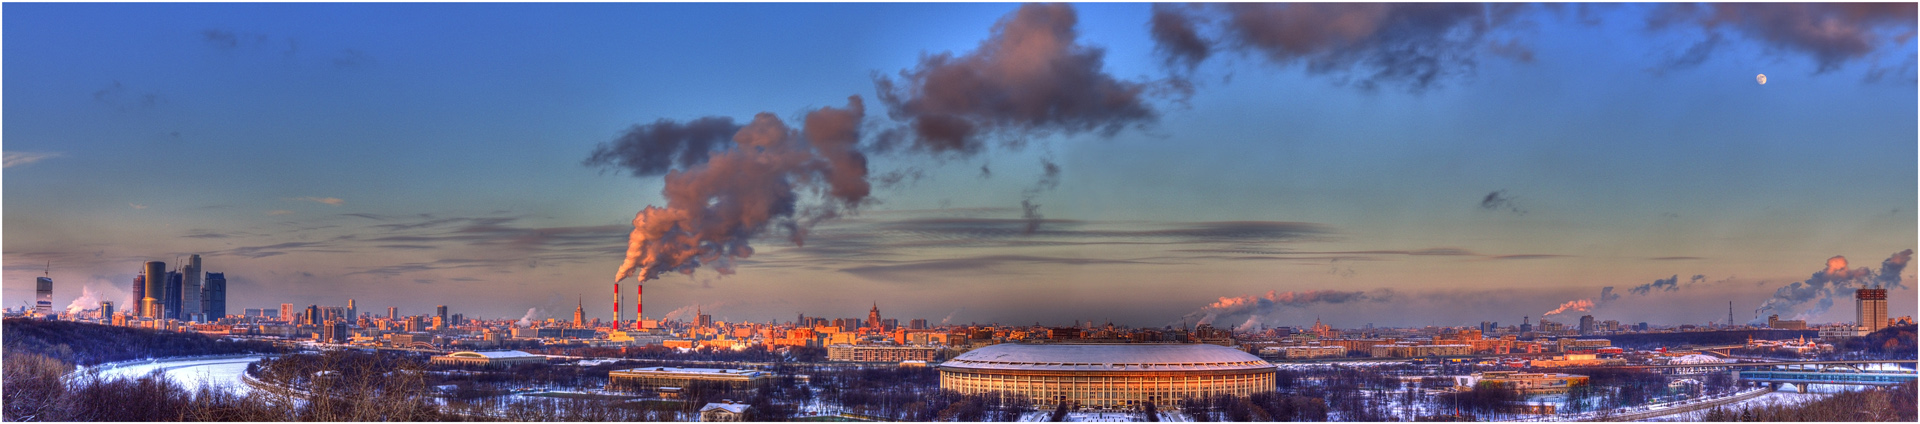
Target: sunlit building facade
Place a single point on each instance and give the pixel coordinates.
(1108, 376)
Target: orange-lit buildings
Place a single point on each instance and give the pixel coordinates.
(1523, 382)
(875, 353)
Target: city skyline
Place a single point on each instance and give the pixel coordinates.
(410, 156)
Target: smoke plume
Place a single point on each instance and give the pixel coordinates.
(949, 318)
(1832, 34)
(1664, 284)
(714, 208)
(1835, 280)
(653, 149)
(1369, 44)
(1607, 295)
(527, 321)
(1579, 305)
(1257, 308)
(89, 299)
(1029, 77)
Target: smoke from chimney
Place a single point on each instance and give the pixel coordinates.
(714, 208)
(527, 321)
(1254, 309)
(1577, 305)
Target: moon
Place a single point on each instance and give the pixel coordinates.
(1762, 79)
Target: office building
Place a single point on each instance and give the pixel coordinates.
(213, 297)
(1870, 306)
(43, 296)
(393, 313)
(172, 293)
(139, 292)
(353, 312)
(1774, 321)
(917, 324)
(190, 290)
(151, 306)
(1108, 376)
(313, 315)
(106, 309)
(286, 312)
(440, 311)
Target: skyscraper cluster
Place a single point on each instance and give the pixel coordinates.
(187, 294)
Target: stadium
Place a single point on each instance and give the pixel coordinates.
(1108, 376)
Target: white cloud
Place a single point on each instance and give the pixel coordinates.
(13, 159)
(327, 200)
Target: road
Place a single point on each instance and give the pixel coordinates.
(191, 374)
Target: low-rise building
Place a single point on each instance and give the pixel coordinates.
(496, 359)
(725, 411)
(1404, 350)
(1523, 382)
(1305, 352)
(1577, 360)
(653, 378)
(872, 353)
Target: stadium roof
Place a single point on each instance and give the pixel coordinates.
(1108, 357)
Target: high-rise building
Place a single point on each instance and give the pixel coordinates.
(190, 289)
(286, 312)
(213, 296)
(580, 314)
(353, 313)
(1586, 324)
(313, 315)
(441, 311)
(152, 305)
(174, 281)
(393, 313)
(43, 296)
(917, 324)
(1871, 307)
(139, 291)
(873, 317)
(106, 309)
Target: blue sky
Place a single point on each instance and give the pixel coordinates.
(425, 154)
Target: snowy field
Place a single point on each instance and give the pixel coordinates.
(219, 373)
(1776, 398)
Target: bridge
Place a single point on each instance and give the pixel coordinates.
(1771, 364)
(1801, 378)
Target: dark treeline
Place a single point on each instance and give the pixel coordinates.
(1888, 343)
(1880, 404)
(1704, 338)
(93, 344)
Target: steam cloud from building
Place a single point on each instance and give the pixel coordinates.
(1253, 309)
(1578, 305)
(527, 321)
(89, 299)
(1835, 280)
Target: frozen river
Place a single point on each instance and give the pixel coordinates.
(220, 373)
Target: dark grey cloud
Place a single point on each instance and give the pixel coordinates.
(1030, 77)
(653, 149)
(1176, 36)
(220, 38)
(118, 97)
(1370, 45)
(1832, 34)
(1500, 200)
(1531, 256)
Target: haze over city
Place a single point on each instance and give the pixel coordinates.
(484, 157)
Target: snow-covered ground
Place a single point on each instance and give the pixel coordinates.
(1775, 398)
(219, 373)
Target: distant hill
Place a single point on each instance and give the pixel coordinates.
(1703, 338)
(91, 344)
(1890, 342)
